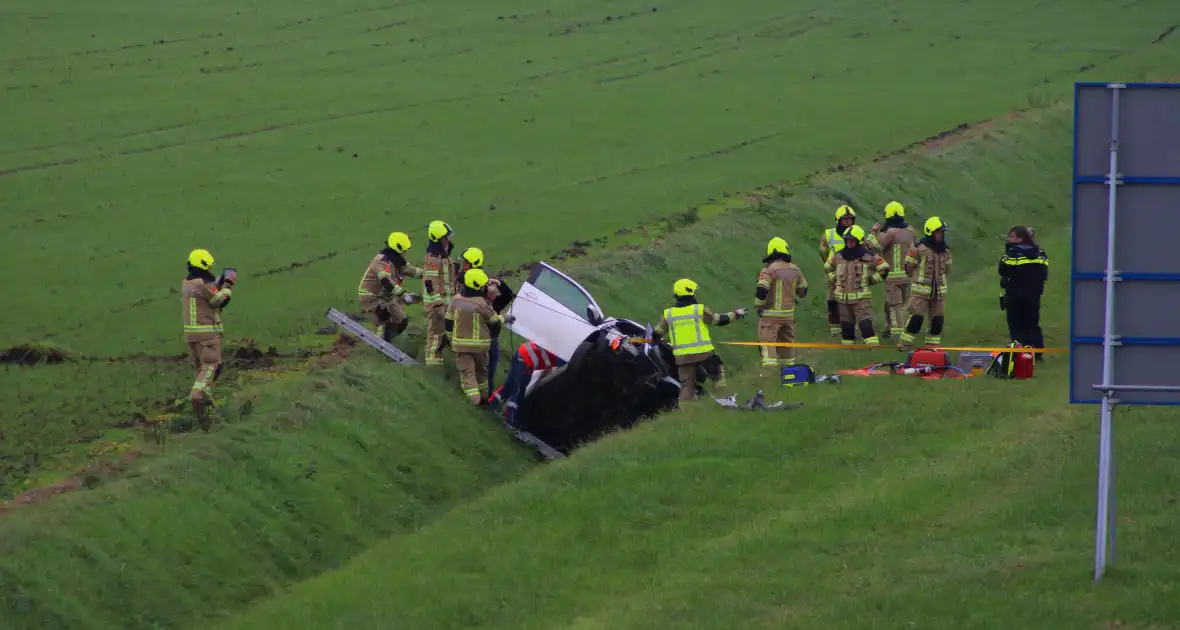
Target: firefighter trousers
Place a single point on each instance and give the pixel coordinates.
(833, 310)
(206, 357)
(921, 307)
(387, 316)
(897, 294)
(690, 373)
(435, 329)
(776, 330)
(473, 375)
(857, 314)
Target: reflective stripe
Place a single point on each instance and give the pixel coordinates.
(685, 330)
(1025, 261)
(192, 327)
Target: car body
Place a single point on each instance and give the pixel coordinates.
(614, 375)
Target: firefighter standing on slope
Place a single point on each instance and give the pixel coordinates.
(471, 325)
(895, 241)
(438, 281)
(380, 292)
(687, 326)
(779, 283)
(204, 297)
(853, 270)
(498, 295)
(928, 264)
(833, 241)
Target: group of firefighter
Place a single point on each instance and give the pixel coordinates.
(463, 305)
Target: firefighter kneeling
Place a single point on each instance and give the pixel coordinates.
(853, 270)
(687, 326)
(470, 324)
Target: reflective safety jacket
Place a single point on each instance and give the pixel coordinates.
(438, 277)
(853, 277)
(537, 358)
(384, 275)
(1023, 270)
(687, 326)
(830, 243)
(471, 323)
(778, 285)
(203, 301)
(895, 243)
(929, 269)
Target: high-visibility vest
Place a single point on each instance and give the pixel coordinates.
(535, 357)
(835, 241)
(687, 331)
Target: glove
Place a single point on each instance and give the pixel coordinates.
(1003, 303)
(511, 319)
(741, 312)
(381, 311)
(409, 299)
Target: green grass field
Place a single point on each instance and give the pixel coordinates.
(290, 139)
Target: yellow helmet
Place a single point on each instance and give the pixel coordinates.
(777, 246)
(845, 210)
(473, 255)
(201, 259)
(855, 232)
(894, 209)
(439, 230)
(684, 287)
(399, 242)
(475, 279)
(933, 224)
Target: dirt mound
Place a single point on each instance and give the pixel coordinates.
(247, 355)
(32, 355)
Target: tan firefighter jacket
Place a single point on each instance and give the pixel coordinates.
(853, 278)
(439, 272)
(469, 318)
(203, 301)
(783, 281)
(895, 245)
(929, 270)
(381, 269)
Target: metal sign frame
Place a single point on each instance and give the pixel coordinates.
(1135, 360)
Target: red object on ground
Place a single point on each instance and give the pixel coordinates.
(1022, 365)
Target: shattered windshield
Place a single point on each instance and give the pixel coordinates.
(562, 290)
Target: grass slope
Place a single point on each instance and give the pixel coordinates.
(328, 464)
(290, 138)
(884, 502)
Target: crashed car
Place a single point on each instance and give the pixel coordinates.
(612, 377)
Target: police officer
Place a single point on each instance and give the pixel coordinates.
(687, 326)
(1023, 270)
(204, 297)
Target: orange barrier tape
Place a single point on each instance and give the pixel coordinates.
(840, 346)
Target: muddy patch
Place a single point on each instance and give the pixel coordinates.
(29, 354)
(88, 477)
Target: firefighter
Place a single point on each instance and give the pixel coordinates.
(852, 271)
(687, 326)
(499, 294)
(928, 264)
(204, 297)
(832, 241)
(779, 283)
(471, 324)
(438, 281)
(895, 241)
(529, 359)
(381, 293)
(1023, 270)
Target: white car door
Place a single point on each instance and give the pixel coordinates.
(554, 311)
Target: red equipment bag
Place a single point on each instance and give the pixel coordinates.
(933, 358)
(1022, 365)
